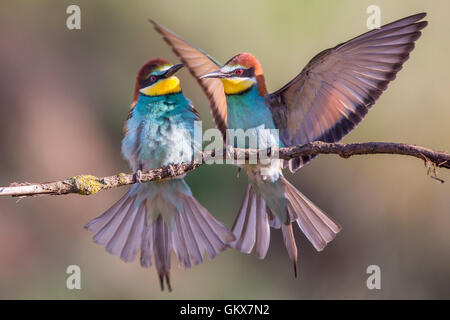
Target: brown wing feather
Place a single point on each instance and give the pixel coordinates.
(334, 91)
(199, 63)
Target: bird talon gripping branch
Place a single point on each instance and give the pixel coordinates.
(230, 154)
(138, 176)
(171, 169)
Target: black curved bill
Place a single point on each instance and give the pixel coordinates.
(172, 70)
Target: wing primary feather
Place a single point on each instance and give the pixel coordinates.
(347, 80)
(199, 63)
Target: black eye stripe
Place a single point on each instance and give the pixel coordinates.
(147, 82)
(246, 73)
(249, 73)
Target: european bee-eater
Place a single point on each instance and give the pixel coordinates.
(156, 217)
(329, 97)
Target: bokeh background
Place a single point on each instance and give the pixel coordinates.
(65, 94)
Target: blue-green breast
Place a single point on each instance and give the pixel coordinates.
(159, 131)
(248, 110)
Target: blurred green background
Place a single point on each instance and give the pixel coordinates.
(65, 94)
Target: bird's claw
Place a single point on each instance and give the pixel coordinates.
(138, 176)
(230, 154)
(171, 169)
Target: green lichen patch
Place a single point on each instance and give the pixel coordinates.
(87, 184)
(122, 178)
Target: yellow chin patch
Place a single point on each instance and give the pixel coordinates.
(236, 85)
(163, 87)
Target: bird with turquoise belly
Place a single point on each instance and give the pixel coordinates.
(324, 102)
(157, 217)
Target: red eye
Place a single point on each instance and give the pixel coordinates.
(152, 78)
(239, 72)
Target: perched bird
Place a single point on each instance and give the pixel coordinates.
(156, 217)
(329, 97)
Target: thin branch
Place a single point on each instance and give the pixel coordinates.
(88, 184)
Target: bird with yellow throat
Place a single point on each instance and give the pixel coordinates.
(324, 102)
(159, 216)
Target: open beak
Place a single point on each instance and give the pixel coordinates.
(171, 71)
(216, 74)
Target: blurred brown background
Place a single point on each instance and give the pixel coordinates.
(64, 96)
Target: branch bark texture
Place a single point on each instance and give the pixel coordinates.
(88, 184)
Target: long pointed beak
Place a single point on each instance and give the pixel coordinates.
(171, 71)
(216, 74)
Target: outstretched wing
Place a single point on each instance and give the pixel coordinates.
(199, 63)
(334, 91)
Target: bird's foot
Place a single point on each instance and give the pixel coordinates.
(230, 154)
(171, 169)
(138, 176)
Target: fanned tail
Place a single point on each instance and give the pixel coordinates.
(315, 224)
(252, 225)
(120, 227)
(157, 222)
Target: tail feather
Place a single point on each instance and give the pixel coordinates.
(306, 225)
(203, 241)
(146, 247)
(162, 248)
(98, 223)
(117, 242)
(106, 233)
(240, 219)
(247, 238)
(133, 242)
(179, 245)
(190, 240)
(252, 225)
(262, 228)
(329, 227)
(315, 224)
(289, 242)
(216, 233)
(220, 232)
(191, 231)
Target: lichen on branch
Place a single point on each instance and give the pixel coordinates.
(89, 184)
